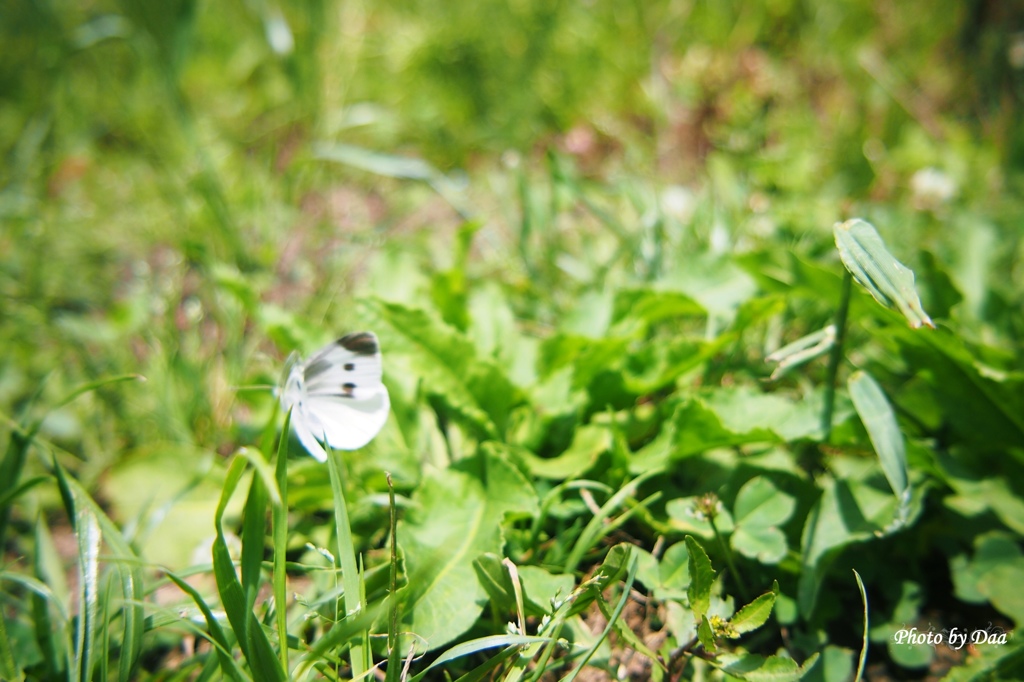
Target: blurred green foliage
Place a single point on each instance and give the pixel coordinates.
(578, 228)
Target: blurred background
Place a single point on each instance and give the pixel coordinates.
(191, 190)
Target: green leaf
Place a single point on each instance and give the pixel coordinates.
(760, 504)
(1002, 585)
(880, 421)
(9, 669)
(248, 632)
(992, 662)
(977, 492)
(446, 364)
(220, 642)
(481, 644)
(127, 567)
(588, 443)
(706, 634)
(754, 614)
(991, 549)
(455, 517)
(644, 307)
(702, 577)
(890, 282)
(760, 669)
(847, 512)
(767, 544)
(983, 407)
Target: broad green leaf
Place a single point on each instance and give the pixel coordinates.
(759, 510)
(539, 586)
(760, 669)
(674, 568)
(456, 517)
(767, 544)
(745, 410)
(890, 282)
(979, 491)
(760, 504)
(729, 417)
(880, 421)
(991, 549)
(586, 357)
(992, 662)
(171, 490)
(653, 366)
(1002, 585)
(588, 443)
(447, 365)
(668, 576)
(496, 582)
(699, 428)
(702, 578)
(847, 512)
(646, 307)
(983, 406)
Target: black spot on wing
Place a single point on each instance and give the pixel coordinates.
(348, 389)
(349, 366)
(360, 343)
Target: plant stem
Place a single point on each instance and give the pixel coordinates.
(729, 560)
(836, 357)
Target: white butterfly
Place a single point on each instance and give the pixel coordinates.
(337, 396)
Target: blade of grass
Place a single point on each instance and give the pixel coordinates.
(394, 655)
(630, 577)
(347, 560)
(49, 574)
(864, 642)
(254, 532)
(251, 637)
(340, 634)
(217, 637)
(595, 529)
(280, 524)
(87, 531)
(127, 566)
(481, 644)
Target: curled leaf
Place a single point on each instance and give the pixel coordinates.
(890, 282)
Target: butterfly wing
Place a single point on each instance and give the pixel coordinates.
(345, 400)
